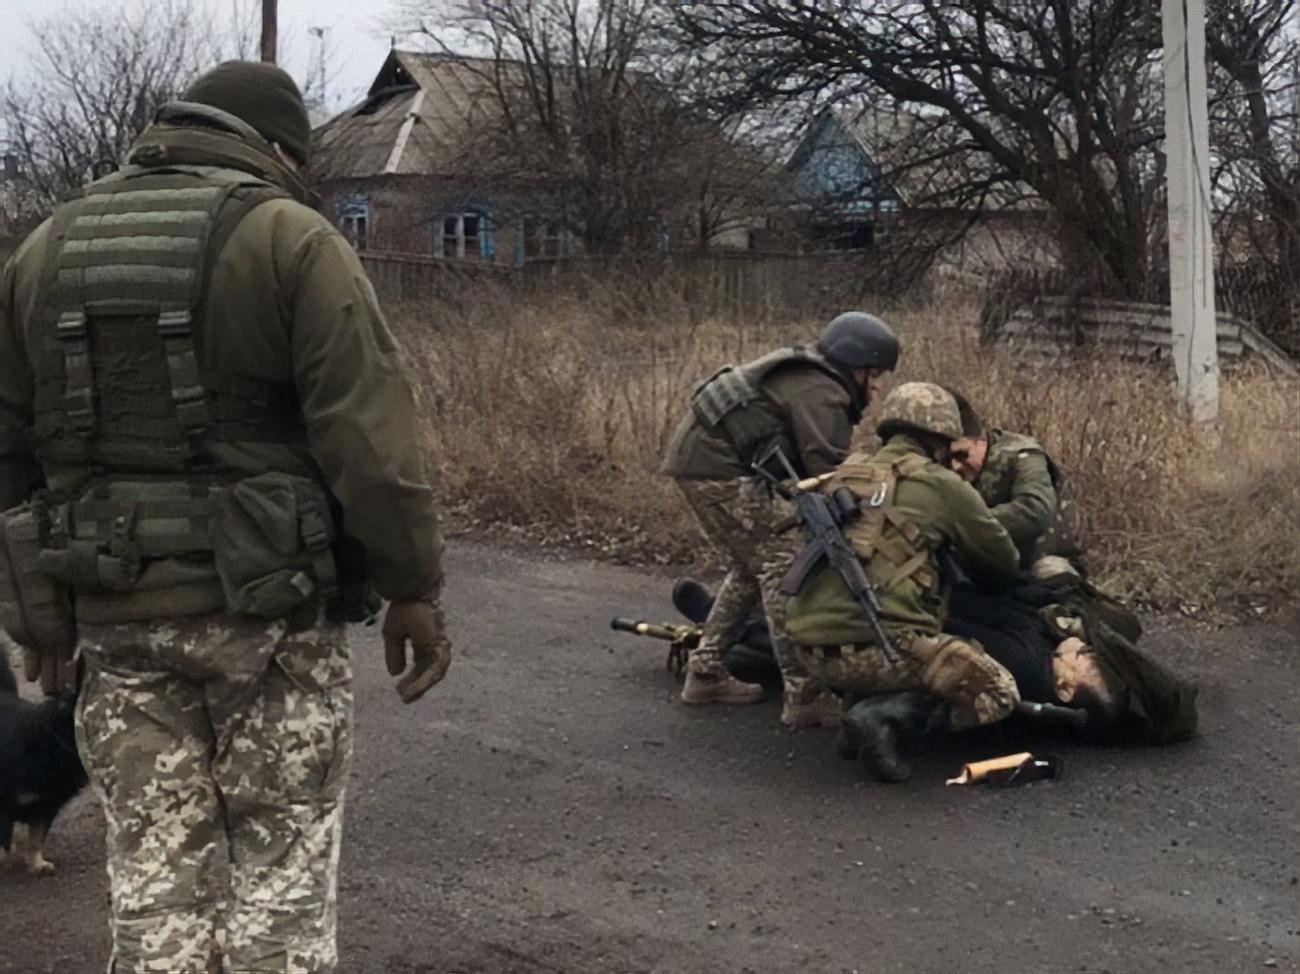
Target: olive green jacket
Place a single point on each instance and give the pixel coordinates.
(1018, 485)
(945, 510)
(817, 416)
(289, 302)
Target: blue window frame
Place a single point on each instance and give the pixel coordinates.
(354, 221)
(464, 233)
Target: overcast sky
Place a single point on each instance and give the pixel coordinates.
(355, 35)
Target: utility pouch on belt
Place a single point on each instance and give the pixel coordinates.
(271, 536)
(35, 610)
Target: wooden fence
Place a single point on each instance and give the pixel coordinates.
(1042, 329)
(719, 283)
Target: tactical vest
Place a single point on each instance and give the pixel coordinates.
(155, 529)
(118, 381)
(883, 537)
(733, 399)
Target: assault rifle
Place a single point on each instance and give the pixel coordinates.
(822, 519)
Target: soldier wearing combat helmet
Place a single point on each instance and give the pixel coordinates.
(207, 455)
(805, 401)
(912, 506)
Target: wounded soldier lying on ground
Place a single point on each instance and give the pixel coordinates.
(1058, 644)
(1069, 644)
(1094, 663)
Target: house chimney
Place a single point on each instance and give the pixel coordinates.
(9, 169)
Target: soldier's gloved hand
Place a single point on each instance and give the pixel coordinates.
(55, 669)
(419, 623)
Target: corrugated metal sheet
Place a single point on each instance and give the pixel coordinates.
(1052, 330)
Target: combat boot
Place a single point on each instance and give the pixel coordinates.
(874, 726)
(719, 687)
(822, 710)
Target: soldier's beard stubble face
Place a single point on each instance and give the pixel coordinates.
(966, 457)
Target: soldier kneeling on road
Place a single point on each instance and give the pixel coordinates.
(911, 506)
(806, 401)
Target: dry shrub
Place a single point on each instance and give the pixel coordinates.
(548, 412)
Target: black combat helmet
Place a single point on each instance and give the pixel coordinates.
(857, 340)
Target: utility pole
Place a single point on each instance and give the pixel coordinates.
(1191, 245)
(321, 95)
(268, 30)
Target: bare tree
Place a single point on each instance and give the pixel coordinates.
(94, 82)
(588, 120)
(1061, 97)
(1056, 96)
(1256, 128)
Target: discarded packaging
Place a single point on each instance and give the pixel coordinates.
(1013, 769)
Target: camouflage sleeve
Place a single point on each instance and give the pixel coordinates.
(818, 410)
(361, 420)
(19, 473)
(1030, 512)
(981, 542)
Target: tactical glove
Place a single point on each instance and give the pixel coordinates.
(421, 624)
(55, 669)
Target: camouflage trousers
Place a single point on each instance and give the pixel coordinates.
(977, 688)
(740, 517)
(218, 746)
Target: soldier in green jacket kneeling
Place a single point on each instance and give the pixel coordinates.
(1023, 487)
(912, 506)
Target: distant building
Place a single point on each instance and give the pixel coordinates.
(398, 171)
(393, 172)
(860, 176)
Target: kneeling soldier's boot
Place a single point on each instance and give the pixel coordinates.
(874, 726)
(719, 686)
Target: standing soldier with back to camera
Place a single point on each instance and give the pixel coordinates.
(807, 402)
(207, 453)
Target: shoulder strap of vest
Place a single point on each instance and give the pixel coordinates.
(144, 245)
(760, 368)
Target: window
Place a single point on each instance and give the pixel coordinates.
(466, 234)
(544, 238)
(354, 222)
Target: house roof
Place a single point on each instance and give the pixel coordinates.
(925, 161)
(413, 121)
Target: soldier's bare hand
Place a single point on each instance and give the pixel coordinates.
(419, 625)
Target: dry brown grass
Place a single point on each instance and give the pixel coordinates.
(548, 414)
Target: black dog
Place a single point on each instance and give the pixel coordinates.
(40, 771)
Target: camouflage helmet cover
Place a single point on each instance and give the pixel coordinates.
(922, 406)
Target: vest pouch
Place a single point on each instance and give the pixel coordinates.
(271, 538)
(35, 609)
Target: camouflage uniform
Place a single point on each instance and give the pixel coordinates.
(211, 733)
(739, 517)
(810, 412)
(919, 506)
(1022, 487)
(187, 349)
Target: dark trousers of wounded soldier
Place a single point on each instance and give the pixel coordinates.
(739, 518)
(215, 736)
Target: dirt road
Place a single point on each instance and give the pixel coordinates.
(550, 808)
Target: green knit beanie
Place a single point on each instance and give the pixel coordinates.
(264, 96)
